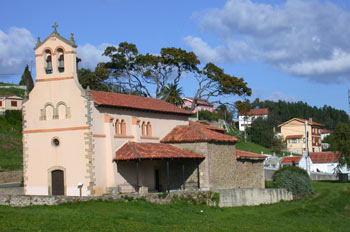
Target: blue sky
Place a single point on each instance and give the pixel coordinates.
(290, 50)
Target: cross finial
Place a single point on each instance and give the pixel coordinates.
(54, 26)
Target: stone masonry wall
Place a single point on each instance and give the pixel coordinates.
(11, 176)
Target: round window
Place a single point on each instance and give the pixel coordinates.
(55, 142)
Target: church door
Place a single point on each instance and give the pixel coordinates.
(57, 182)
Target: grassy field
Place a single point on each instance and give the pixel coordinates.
(327, 210)
(252, 147)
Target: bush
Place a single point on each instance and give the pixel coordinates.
(295, 180)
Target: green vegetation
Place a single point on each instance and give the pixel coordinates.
(11, 91)
(340, 141)
(252, 147)
(11, 141)
(283, 111)
(295, 180)
(327, 210)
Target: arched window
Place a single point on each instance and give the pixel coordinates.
(149, 129)
(117, 127)
(48, 61)
(49, 112)
(62, 111)
(144, 128)
(122, 127)
(60, 60)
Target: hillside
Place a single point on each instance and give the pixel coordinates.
(10, 91)
(11, 141)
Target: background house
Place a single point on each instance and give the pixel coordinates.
(11, 102)
(199, 106)
(245, 120)
(293, 131)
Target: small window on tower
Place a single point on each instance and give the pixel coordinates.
(14, 103)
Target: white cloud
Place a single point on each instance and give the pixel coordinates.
(305, 38)
(91, 55)
(16, 50)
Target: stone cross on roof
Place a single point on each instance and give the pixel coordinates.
(54, 26)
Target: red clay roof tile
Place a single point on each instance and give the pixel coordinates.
(263, 111)
(290, 159)
(324, 157)
(249, 155)
(135, 102)
(195, 133)
(133, 151)
(214, 128)
(294, 136)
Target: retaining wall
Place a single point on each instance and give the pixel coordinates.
(11, 176)
(247, 197)
(228, 198)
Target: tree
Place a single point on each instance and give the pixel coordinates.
(340, 142)
(27, 79)
(278, 145)
(261, 132)
(214, 82)
(138, 72)
(96, 80)
(172, 94)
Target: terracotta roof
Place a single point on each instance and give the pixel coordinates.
(324, 157)
(324, 131)
(249, 155)
(294, 136)
(214, 128)
(312, 123)
(135, 102)
(133, 151)
(195, 133)
(199, 101)
(290, 159)
(262, 111)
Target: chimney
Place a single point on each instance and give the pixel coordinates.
(310, 120)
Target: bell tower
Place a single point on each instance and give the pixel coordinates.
(55, 57)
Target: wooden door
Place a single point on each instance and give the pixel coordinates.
(57, 182)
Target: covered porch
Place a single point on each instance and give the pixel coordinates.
(156, 167)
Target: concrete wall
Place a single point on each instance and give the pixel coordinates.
(246, 197)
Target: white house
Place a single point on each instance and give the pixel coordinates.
(245, 120)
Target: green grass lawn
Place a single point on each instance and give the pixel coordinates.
(252, 147)
(327, 210)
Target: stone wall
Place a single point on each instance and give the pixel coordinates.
(247, 197)
(227, 198)
(11, 176)
(221, 169)
(314, 175)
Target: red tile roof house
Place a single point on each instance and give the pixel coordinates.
(107, 141)
(245, 120)
(201, 105)
(324, 162)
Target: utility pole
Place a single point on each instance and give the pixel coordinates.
(306, 154)
(349, 101)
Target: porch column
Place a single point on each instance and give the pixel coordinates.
(198, 177)
(183, 174)
(168, 175)
(137, 175)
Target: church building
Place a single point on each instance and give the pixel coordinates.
(82, 142)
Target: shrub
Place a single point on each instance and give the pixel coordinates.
(294, 179)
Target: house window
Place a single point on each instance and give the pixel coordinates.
(0, 103)
(14, 103)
